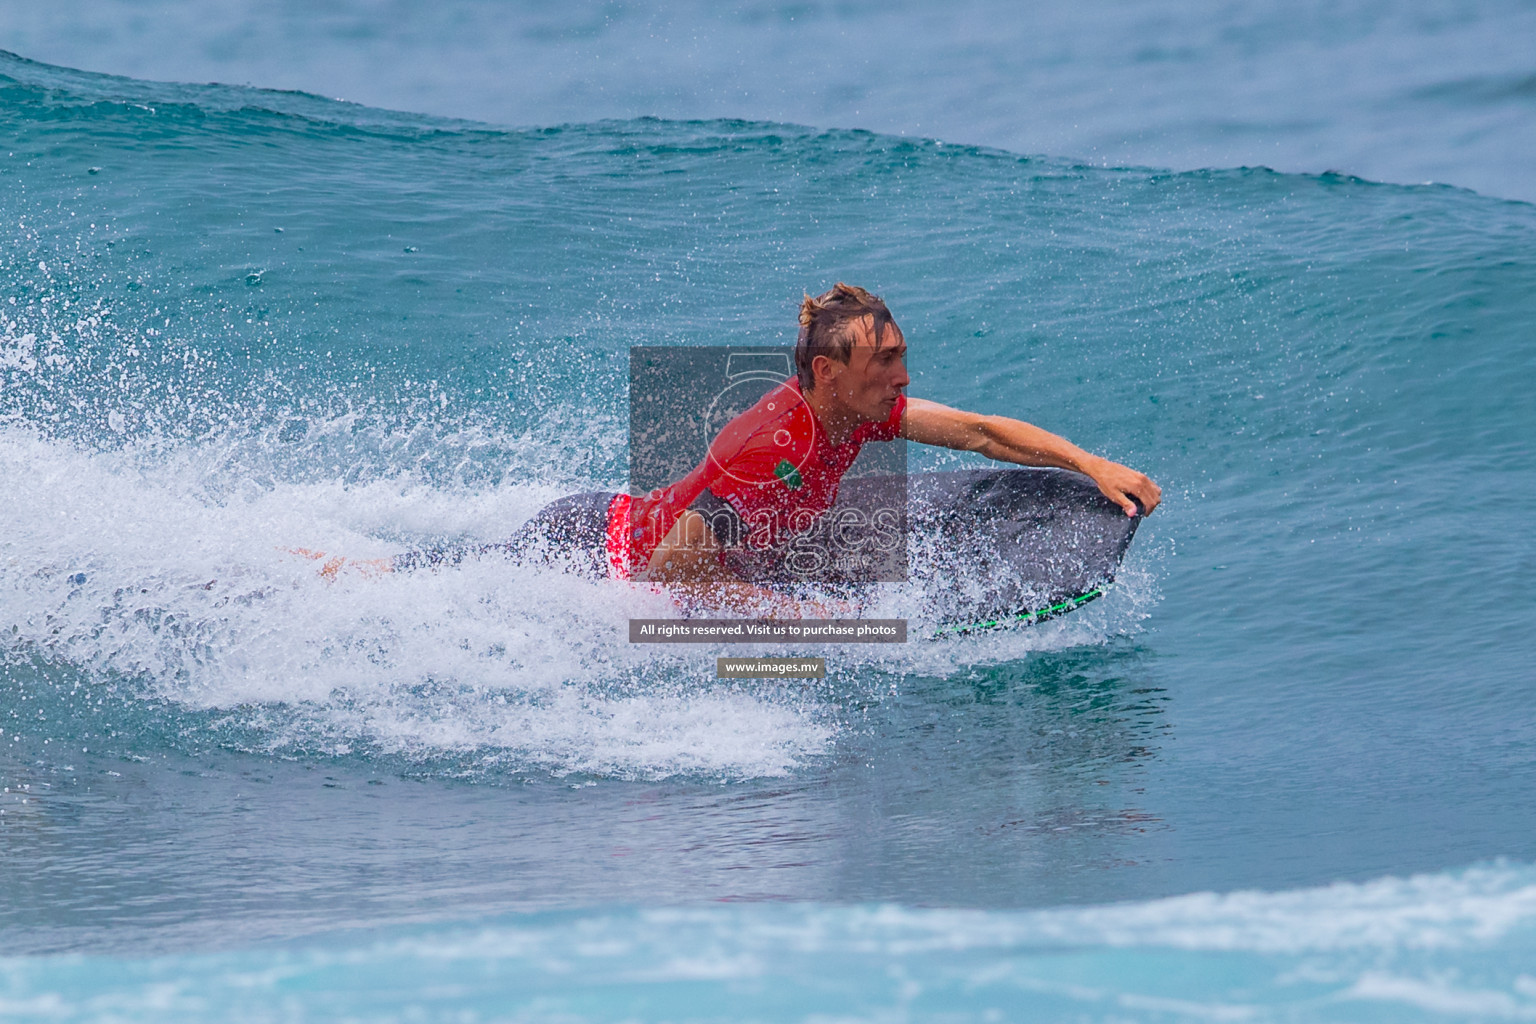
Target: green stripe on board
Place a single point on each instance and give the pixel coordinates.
(1024, 617)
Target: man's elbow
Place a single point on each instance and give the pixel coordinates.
(990, 434)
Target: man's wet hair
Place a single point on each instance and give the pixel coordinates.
(826, 326)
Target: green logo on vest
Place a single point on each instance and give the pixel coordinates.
(787, 472)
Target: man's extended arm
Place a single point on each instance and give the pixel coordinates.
(1010, 440)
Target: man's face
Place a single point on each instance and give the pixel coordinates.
(874, 378)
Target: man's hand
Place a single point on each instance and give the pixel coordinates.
(746, 599)
(1120, 484)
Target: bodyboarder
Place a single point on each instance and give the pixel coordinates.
(773, 471)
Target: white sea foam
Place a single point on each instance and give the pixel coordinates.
(173, 567)
(130, 568)
(1454, 945)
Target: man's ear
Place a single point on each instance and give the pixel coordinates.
(824, 369)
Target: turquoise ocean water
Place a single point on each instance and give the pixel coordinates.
(1282, 772)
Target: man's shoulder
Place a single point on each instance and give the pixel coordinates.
(779, 422)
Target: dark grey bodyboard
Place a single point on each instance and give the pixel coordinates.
(987, 547)
(995, 547)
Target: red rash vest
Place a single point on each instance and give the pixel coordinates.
(772, 464)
